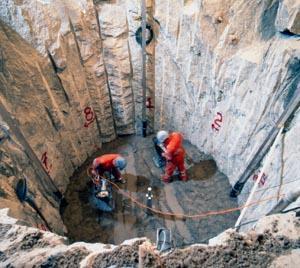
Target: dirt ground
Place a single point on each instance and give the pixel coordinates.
(254, 249)
(207, 189)
(241, 251)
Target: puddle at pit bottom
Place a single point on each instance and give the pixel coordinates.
(206, 190)
(85, 223)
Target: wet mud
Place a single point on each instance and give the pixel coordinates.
(207, 189)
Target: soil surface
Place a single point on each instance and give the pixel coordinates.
(206, 190)
(241, 251)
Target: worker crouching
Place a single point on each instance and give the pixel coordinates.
(169, 148)
(112, 163)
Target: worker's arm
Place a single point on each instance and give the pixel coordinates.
(164, 149)
(165, 153)
(97, 173)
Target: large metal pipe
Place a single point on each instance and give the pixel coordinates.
(285, 202)
(263, 149)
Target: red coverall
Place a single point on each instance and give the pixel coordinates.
(105, 163)
(175, 156)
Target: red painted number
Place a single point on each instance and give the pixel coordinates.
(42, 227)
(217, 120)
(44, 160)
(149, 103)
(262, 180)
(89, 116)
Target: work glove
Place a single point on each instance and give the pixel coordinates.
(96, 180)
(161, 145)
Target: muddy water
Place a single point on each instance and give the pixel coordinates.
(206, 190)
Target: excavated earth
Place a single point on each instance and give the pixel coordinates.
(254, 251)
(273, 243)
(207, 189)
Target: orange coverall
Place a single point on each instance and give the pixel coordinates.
(105, 163)
(175, 156)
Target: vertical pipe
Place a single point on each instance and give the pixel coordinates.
(144, 84)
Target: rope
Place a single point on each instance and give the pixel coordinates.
(180, 215)
(221, 212)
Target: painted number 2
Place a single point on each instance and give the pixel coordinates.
(89, 116)
(216, 125)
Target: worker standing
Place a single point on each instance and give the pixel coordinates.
(112, 163)
(169, 148)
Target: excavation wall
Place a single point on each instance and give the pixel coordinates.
(72, 82)
(224, 73)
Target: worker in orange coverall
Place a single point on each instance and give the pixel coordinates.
(170, 148)
(112, 163)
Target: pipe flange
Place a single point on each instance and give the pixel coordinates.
(149, 34)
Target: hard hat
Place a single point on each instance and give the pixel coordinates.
(120, 162)
(162, 135)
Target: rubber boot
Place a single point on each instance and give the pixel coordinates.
(183, 176)
(165, 179)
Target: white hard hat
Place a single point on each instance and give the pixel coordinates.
(162, 135)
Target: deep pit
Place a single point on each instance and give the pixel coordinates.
(207, 189)
(75, 75)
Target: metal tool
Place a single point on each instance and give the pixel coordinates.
(164, 239)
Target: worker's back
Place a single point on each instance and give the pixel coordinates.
(105, 161)
(173, 142)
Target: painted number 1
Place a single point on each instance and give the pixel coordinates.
(44, 160)
(149, 103)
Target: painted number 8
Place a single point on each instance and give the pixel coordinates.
(89, 116)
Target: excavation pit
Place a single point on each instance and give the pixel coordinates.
(206, 190)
